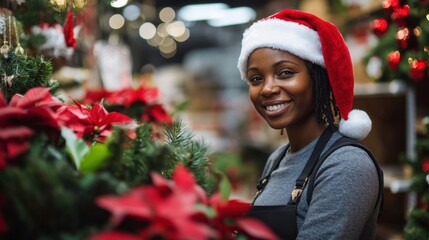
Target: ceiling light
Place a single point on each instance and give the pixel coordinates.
(200, 12)
(233, 16)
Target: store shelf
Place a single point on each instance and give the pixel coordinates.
(395, 179)
(390, 88)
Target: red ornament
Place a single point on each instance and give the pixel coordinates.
(393, 59)
(425, 164)
(379, 26)
(68, 30)
(400, 15)
(418, 69)
(390, 5)
(403, 35)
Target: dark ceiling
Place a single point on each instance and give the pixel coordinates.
(232, 3)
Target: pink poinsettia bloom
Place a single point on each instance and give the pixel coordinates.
(23, 117)
(93, 123)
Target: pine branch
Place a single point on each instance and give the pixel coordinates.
(191, 152)
(19, 73)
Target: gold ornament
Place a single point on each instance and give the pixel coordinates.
(18, 50)
(8, 79)
(5, 48)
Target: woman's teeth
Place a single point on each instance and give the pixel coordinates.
(275, 107)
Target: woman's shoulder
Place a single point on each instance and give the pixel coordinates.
(350, 159)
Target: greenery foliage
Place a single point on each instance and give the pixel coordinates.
(19, 73)
(417, 226)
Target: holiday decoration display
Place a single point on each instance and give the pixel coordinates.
(403, 53)
(417, 226)
(96, 169)
(403, 41)
(61, 165)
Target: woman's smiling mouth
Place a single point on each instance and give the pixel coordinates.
(273, 110)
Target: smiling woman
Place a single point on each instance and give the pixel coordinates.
(300, 79)
(285, 76)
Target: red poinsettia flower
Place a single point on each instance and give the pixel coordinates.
(25, 116)
(140, 103)
(124, 97)
(129, 96)
(156, 113)
(229, 219)
(175, 210)
(95, 95)
(35, 97)
(158, 206)
(115, 235)
(95, 123)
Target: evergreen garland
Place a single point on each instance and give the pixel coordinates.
(19, 73)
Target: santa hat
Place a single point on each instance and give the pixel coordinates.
(318, 41)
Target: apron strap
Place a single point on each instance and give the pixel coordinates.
(301, 181)
(303, 178)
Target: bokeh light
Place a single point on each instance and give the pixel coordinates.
(116, 21)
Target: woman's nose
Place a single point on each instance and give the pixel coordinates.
(270, 87)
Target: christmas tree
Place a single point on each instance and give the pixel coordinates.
(402, 53)
(417, 226)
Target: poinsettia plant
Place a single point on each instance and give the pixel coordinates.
(177, 209)
(64, 167)
(140, 103)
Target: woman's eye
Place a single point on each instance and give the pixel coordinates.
(286, 73)
(254, 79)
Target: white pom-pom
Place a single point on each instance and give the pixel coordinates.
(357, 126)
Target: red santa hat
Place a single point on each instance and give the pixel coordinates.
(318, 41)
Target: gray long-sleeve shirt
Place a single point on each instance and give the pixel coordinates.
(344, 195)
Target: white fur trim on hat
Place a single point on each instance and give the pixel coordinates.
(292, 37)
(357, 126)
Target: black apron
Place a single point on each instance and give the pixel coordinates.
(281, 219)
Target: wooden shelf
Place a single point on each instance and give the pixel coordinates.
(395, 179)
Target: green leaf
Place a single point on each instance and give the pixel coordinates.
(77, 148)
(95, 158)
(224, 186)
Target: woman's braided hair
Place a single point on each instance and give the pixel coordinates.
(325, 106)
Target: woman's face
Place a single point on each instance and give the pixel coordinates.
(280, 88)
